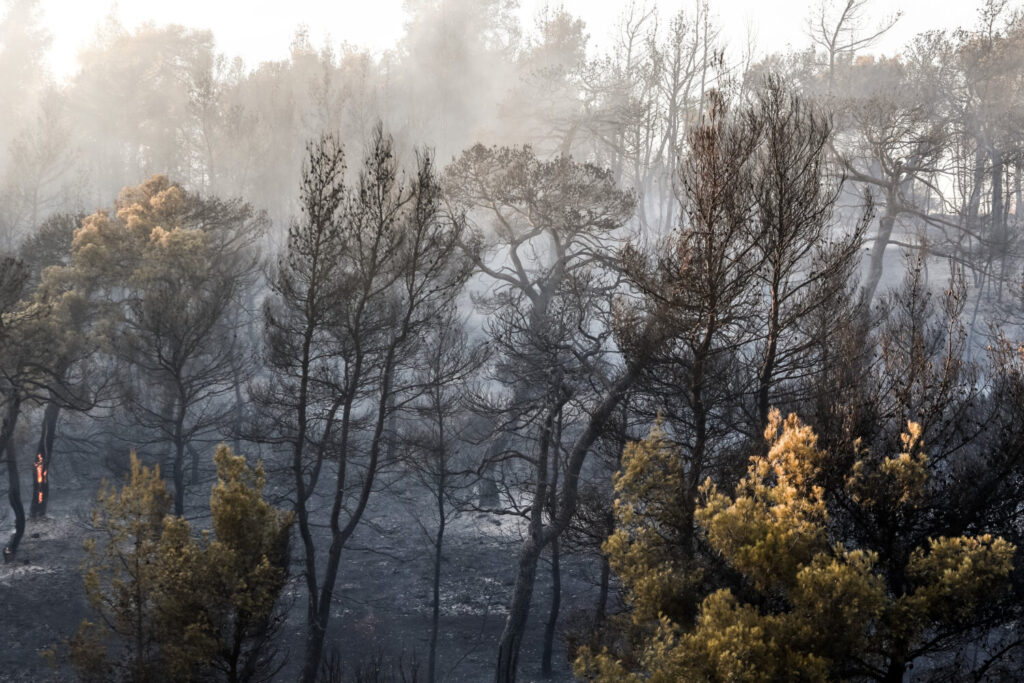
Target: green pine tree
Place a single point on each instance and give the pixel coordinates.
(174, 606)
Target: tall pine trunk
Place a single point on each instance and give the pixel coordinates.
(341, 535)
(519, 611)
(179, 463)
(556, 603)
(13, 481)
(519, 608)
(1000, 236)
(435, 615)
(602, 596)
(44, 457)
(877, 261)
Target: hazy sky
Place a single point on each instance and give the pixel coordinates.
(260, 30)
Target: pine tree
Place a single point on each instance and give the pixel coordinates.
(120, 575)
(173, 605)
(808, 604)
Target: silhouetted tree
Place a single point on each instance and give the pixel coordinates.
(367, 270)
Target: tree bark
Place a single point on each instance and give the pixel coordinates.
(488, 487)
(435, 615)
(767, 372)
(896, 670)
(518, 612)
(999, 236)
(876, 264)
(179, 469)
(239, 411)
(301, 495)
(13, 481)
(340, 535)
(44, 456)
(519, 608)
(556, 603)
(602, 596)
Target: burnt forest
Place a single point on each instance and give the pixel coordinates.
(627, 341)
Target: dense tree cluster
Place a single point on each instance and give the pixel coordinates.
(805, 602)
(171, 606)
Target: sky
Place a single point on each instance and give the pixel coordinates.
(261, 30)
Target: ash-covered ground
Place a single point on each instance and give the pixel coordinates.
(381, 617)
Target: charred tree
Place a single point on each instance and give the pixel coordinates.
(29, 340)
(803, 263)
(435, 443)
(13, 477)
(540, 230)
(367, 270)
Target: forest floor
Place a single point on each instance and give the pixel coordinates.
(41, 596)
(382, 603)
(383, 599)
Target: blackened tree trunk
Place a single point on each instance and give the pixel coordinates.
(44, 456)
(194, 476)
(488, 497)
(179, 462)
(556, 570)
(342, 534)
(556, 603)
(529, 555)
(435, 616)
(897, 668)
(602, 595)
(877, 261)
(239, 410)
(999, 236)
(13, 481)
(518, 612)
(766, 373)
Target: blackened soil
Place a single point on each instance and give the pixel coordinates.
(381, 617)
